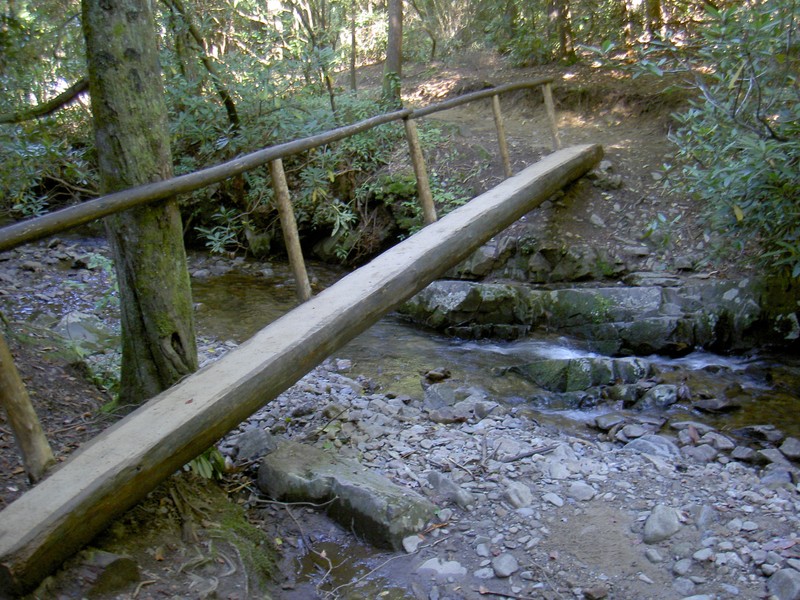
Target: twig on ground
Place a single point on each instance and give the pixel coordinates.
(307, 544)
(290, 504)
(462, 467)
(546, 579)
(141, 585)
(486, 592)
(231, 566)
(246, 576)
(529, 453)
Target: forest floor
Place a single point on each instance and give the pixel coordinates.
(629, 117)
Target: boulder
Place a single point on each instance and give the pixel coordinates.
(380, 511)
(486, 258)
(658, 397)
(664, 314)
(85, 331)
(441, 570)
(653, 444)
(579, 374)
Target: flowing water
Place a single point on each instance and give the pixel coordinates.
(394, 355)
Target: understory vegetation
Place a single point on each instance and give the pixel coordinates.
(240, 76)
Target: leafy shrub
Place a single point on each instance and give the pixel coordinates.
(739, 142)
(46, 164)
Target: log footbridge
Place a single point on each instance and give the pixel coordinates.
(122, 465)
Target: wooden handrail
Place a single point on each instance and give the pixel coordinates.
(66, 218)
(80, 214)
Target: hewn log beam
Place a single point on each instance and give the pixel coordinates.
(120, 466)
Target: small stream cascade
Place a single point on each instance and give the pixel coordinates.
(553, 377)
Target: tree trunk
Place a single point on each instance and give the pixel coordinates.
(393, 68)
(353, 47)
(130, 118)
(426, 28)
(654, 19)
(562, 20)
(36, 453)
(629, 29)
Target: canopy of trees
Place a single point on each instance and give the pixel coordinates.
(244, 74)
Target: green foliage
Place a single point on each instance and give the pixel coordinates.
(209, 465)
(226, 235)
(278, 69)
(661, 229)
(110, 298)
(739, 142)
(45, 164)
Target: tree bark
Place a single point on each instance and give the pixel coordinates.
(654, 18)
(36, 453)
(130, 118)
(353, 47)
(393, 67)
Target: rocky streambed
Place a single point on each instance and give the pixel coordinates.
(640, 499)
(522, 510)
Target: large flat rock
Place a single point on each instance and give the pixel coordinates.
(374, 507)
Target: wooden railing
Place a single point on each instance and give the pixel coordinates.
(36, 452)
(80, 214)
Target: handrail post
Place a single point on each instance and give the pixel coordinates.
(421, 173)
(289, 227)
(547, 90)
(501, 135)
(37, 456)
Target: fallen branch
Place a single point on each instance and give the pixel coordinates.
(49, 107)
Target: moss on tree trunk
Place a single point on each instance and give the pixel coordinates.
(131, 133)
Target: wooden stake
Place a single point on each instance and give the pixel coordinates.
(421, 173)
(289, 227)
(36, 453)
(123, 464)
(501, 135)
(547, 90)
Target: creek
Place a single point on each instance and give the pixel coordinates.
(394, 355)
